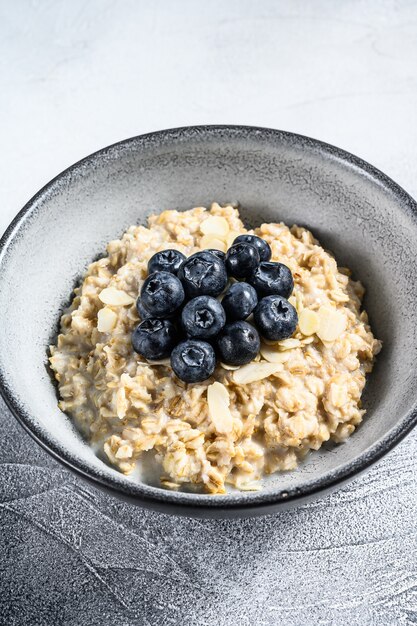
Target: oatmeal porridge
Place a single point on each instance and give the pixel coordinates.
(256, 409)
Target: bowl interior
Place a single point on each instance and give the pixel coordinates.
(368, 223)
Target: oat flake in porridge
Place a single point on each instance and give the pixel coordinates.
(242, 422)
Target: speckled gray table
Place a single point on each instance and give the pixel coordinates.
(76, 76)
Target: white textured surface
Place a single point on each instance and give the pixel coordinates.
(76, 76)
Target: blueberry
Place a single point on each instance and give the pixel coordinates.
(166, 261)
(154, 338)
(260, 244)
(239, 301)
(142, 311)
(218, 253)
(275, 318)
(193, 361)
(238, 343)
(203, 273)
(271, 278)
(145, 314)
(203, 317)
(242, 259)
(162, 293)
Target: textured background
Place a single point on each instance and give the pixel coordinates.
(76, 76)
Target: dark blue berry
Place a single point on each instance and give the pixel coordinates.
(260, 244)
(238, 343)
(166, 261)
(142, 311)
(218, 253)
(271, 278)
(203, 317)
(239, 301)
(154, 339)
(193, 361)
(242, 259)
(145, 314)
(162, 293)
(203, 273)
(275, 318)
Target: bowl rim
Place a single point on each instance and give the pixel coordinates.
(183, 502)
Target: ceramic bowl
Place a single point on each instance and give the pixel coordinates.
(367, 220)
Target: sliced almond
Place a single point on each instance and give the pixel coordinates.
(169, 484)
(124, 452)
(218, 404)
(307, 340)
(115, 297)
(308, 322)
(327, 344)
(250, 486)
(289, 344)
(338, 296)
(273, 355)
(215, 225)
(338, 395)
(332, 324)
(231, 237)
(253, 372)
(160, 362)
(210, 241)
(229, 367)
(270, 342)
(106, 320)
(299, 301)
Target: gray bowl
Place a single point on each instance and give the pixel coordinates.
(364, 217)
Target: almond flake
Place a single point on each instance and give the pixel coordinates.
(338, 296)
(273, 355)
(106, 320)
(289, 344)
(252, 372)
(270, 342)
(307, 340)
(327, 344)
(299, 301)
(229, 367)
(308, 322)
(124, 452)
(210, 241)
(216, 226)
(218, 404)
(231, 237)
(338, 395)
(169, 484)
(251, 486)
(160, 362)
(115, 297)
(332, 324)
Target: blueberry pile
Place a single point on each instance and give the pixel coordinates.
(182, 317)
